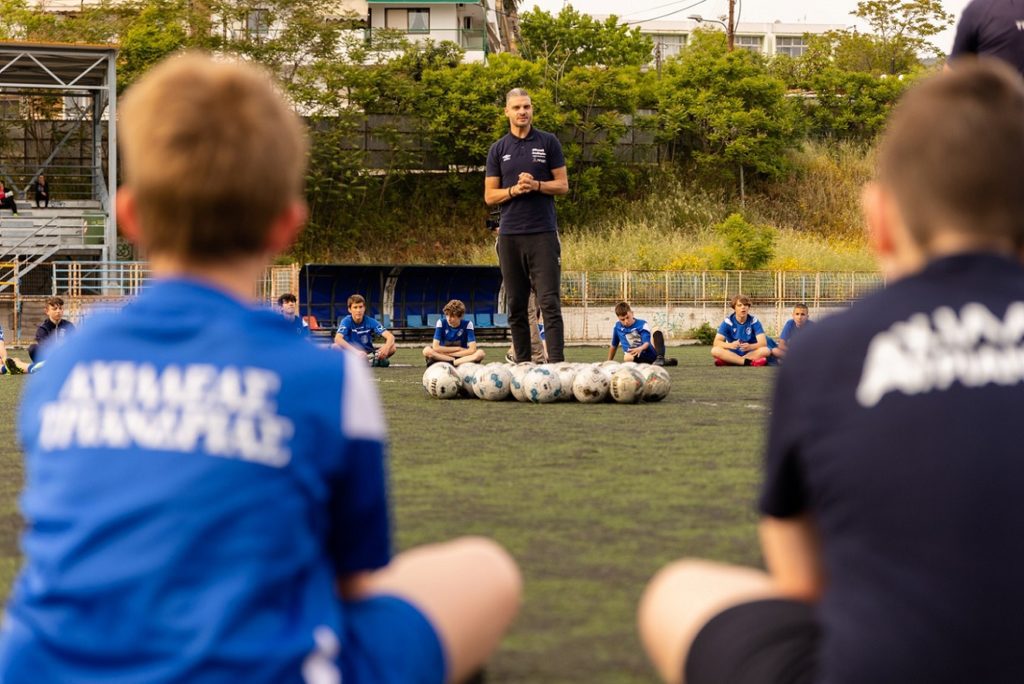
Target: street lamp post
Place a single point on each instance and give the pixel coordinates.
(730, 37)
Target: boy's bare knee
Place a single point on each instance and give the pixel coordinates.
(492, 559)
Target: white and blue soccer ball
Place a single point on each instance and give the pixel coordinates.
(627, 385)
(657, 383)
(542, 385)
(493, 382)
(519, 372)
(566, 375)
(590, 385)
(467, 374)
(441, 381)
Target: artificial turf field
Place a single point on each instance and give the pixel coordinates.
(590, 499)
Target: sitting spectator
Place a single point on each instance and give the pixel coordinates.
(799, 322)
(53, 327)
(41, 191)
(7, 199)
(454, 338)
(289, 305)
(9, 364)
(741, 340)
(357, 330)
(639, 343)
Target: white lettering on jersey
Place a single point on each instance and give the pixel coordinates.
(540, 155)
(929, 353)
(228, 412)
(1020, 25)
(506, 157)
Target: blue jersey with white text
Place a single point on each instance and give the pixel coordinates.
(299, 326)
(360, 335)
(189, 502)
(458, 336)
(791, 329)
(631, 337)
(745, 332)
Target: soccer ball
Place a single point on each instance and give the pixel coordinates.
(591, 385)
(566, 375)
(627, 385)
(519, 372)
(657, 384)
(610, 367)
(541, 385)
(493, 382)
(468, 373)
(441, 381)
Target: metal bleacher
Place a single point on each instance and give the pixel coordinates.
(37, 236)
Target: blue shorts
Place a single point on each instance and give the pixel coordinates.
(389, 641)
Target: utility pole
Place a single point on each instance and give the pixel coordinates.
(730, 28)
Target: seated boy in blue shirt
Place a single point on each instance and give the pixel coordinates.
(223, 520)
(798, 323)
(638, 342)
(741, 340)
(289, 305)
(357, 330)
(454, 338)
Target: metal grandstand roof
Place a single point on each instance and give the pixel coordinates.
(27, 67)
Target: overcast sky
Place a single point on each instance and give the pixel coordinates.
(806, 11)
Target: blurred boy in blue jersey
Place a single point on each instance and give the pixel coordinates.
(454, 338)
(741, 340)
(223, 520)
(638, 343)
(9, 364)
(891, 515)
(357, 330)
(289, 305)
(800, 322)
(54, 327)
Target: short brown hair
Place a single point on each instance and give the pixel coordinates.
(801, 306)
(355, 299)
(213, 155)
(952, 151)
(622, 308)
(287, 297)
(54, 301)
(738, 299)
(455, 308)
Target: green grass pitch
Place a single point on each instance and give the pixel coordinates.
(590, 499)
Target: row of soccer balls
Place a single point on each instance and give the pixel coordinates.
(590, 383)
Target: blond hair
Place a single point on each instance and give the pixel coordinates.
(213, 156)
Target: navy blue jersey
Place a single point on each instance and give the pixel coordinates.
(994, 28)
(745, 332)
(360, 335)
(459, 336)
(904, 451)
(537, 154)
(190, 501)
(790, 329)
(49, 331)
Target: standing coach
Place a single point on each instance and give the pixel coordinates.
(525, 170)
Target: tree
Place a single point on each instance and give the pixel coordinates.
(725, 109)
(902, 28)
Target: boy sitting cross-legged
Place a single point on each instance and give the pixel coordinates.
(639, 344)
(454, 338)
(357, 330)
(741, 340)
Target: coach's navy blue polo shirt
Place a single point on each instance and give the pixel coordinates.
(994, 28)
(538, 153)
(896, 429)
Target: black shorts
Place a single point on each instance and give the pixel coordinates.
(774, 641)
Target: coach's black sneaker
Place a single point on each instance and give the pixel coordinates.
(509, 358)
(669, 362)
(12, 367)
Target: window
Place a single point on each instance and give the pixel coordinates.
(668, 44)
(410, 20)
(749, 43)
(794, 46)
(257, 23)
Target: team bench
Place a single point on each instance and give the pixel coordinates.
(486, 327)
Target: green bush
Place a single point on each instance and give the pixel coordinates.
(704, 333)
(747, 247)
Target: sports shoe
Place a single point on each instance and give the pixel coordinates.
(658, 362)
(759, 362)
(509, 358)
(3, 369)
(671, 362)
(720, 362)
(12, 367)
(381, 363)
